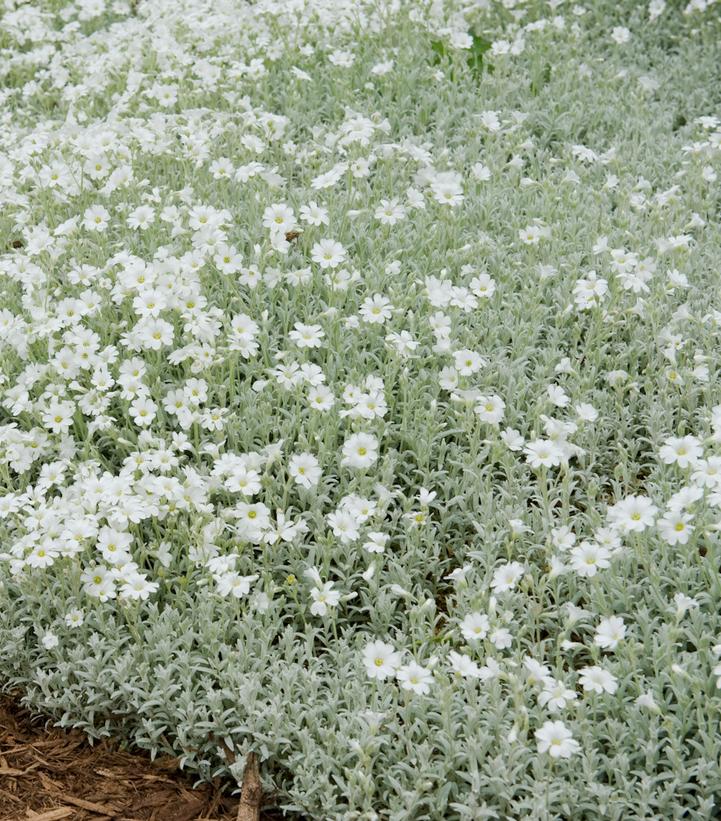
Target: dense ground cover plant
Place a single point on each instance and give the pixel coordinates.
(359, 396)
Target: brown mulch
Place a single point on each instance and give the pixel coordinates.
(49, 774)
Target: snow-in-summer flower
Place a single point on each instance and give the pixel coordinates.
(360, 451)
(381, 660)
(610, 632)
(415, 678)
(557, 740)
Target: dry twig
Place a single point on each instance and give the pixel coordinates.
(251, 791)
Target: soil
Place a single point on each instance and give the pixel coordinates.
(49, 774)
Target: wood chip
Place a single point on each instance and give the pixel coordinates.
(51, 742)
(100, 809)
(9, 795)
(11, 771)
(51, 815)
(106, 773)
(48, 783)
(158, 778)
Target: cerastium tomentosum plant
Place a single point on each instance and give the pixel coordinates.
(359, 396)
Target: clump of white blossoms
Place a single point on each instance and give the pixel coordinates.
(360, 400)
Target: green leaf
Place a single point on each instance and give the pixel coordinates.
(439, 50)
(541, 79)
(476, 54)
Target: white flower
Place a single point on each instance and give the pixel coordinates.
(675, 527)
(381, 660)
(74, 617)
(376, 542)
(459, 574)
(598, 680)
(616, 378)
(415, 678)
(532, 234)
(563, 537)
(557, 740)
(656, 9)
(345, 526)
(389, 212)
(323, 598)
(507, 576)
(243, 479)
(490, 409)
(305, 469)
(475, 626)
(307, 336)
(558, 396)
(376, 309)
(141, 217)
(490, 121)
(279, 218)
(490, 670)
(426, 496)
(684, 603)
(341, 58)
(136, 586)
(468, 362)
(481, 172)
(98, 582)
(610, 632)
(501, 638)
(608, 538)
(586, 412)
(555, 695)
(154, 333)
(314, 214)
(647, 700)
(232, 583)
(620, 35)
(447, 188)
(328, 253)
(320, 398)
(50, 640)
(542, 453)
(512, 439)
(41, 556)
(96, 218)
(463, 666)
(379, 69)
(536, 672)
(588, 558)
(588, 292)
(683, 451)
(707, 472)
(143, 411)
(633, 514)
(59, 416)
(360, 451)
